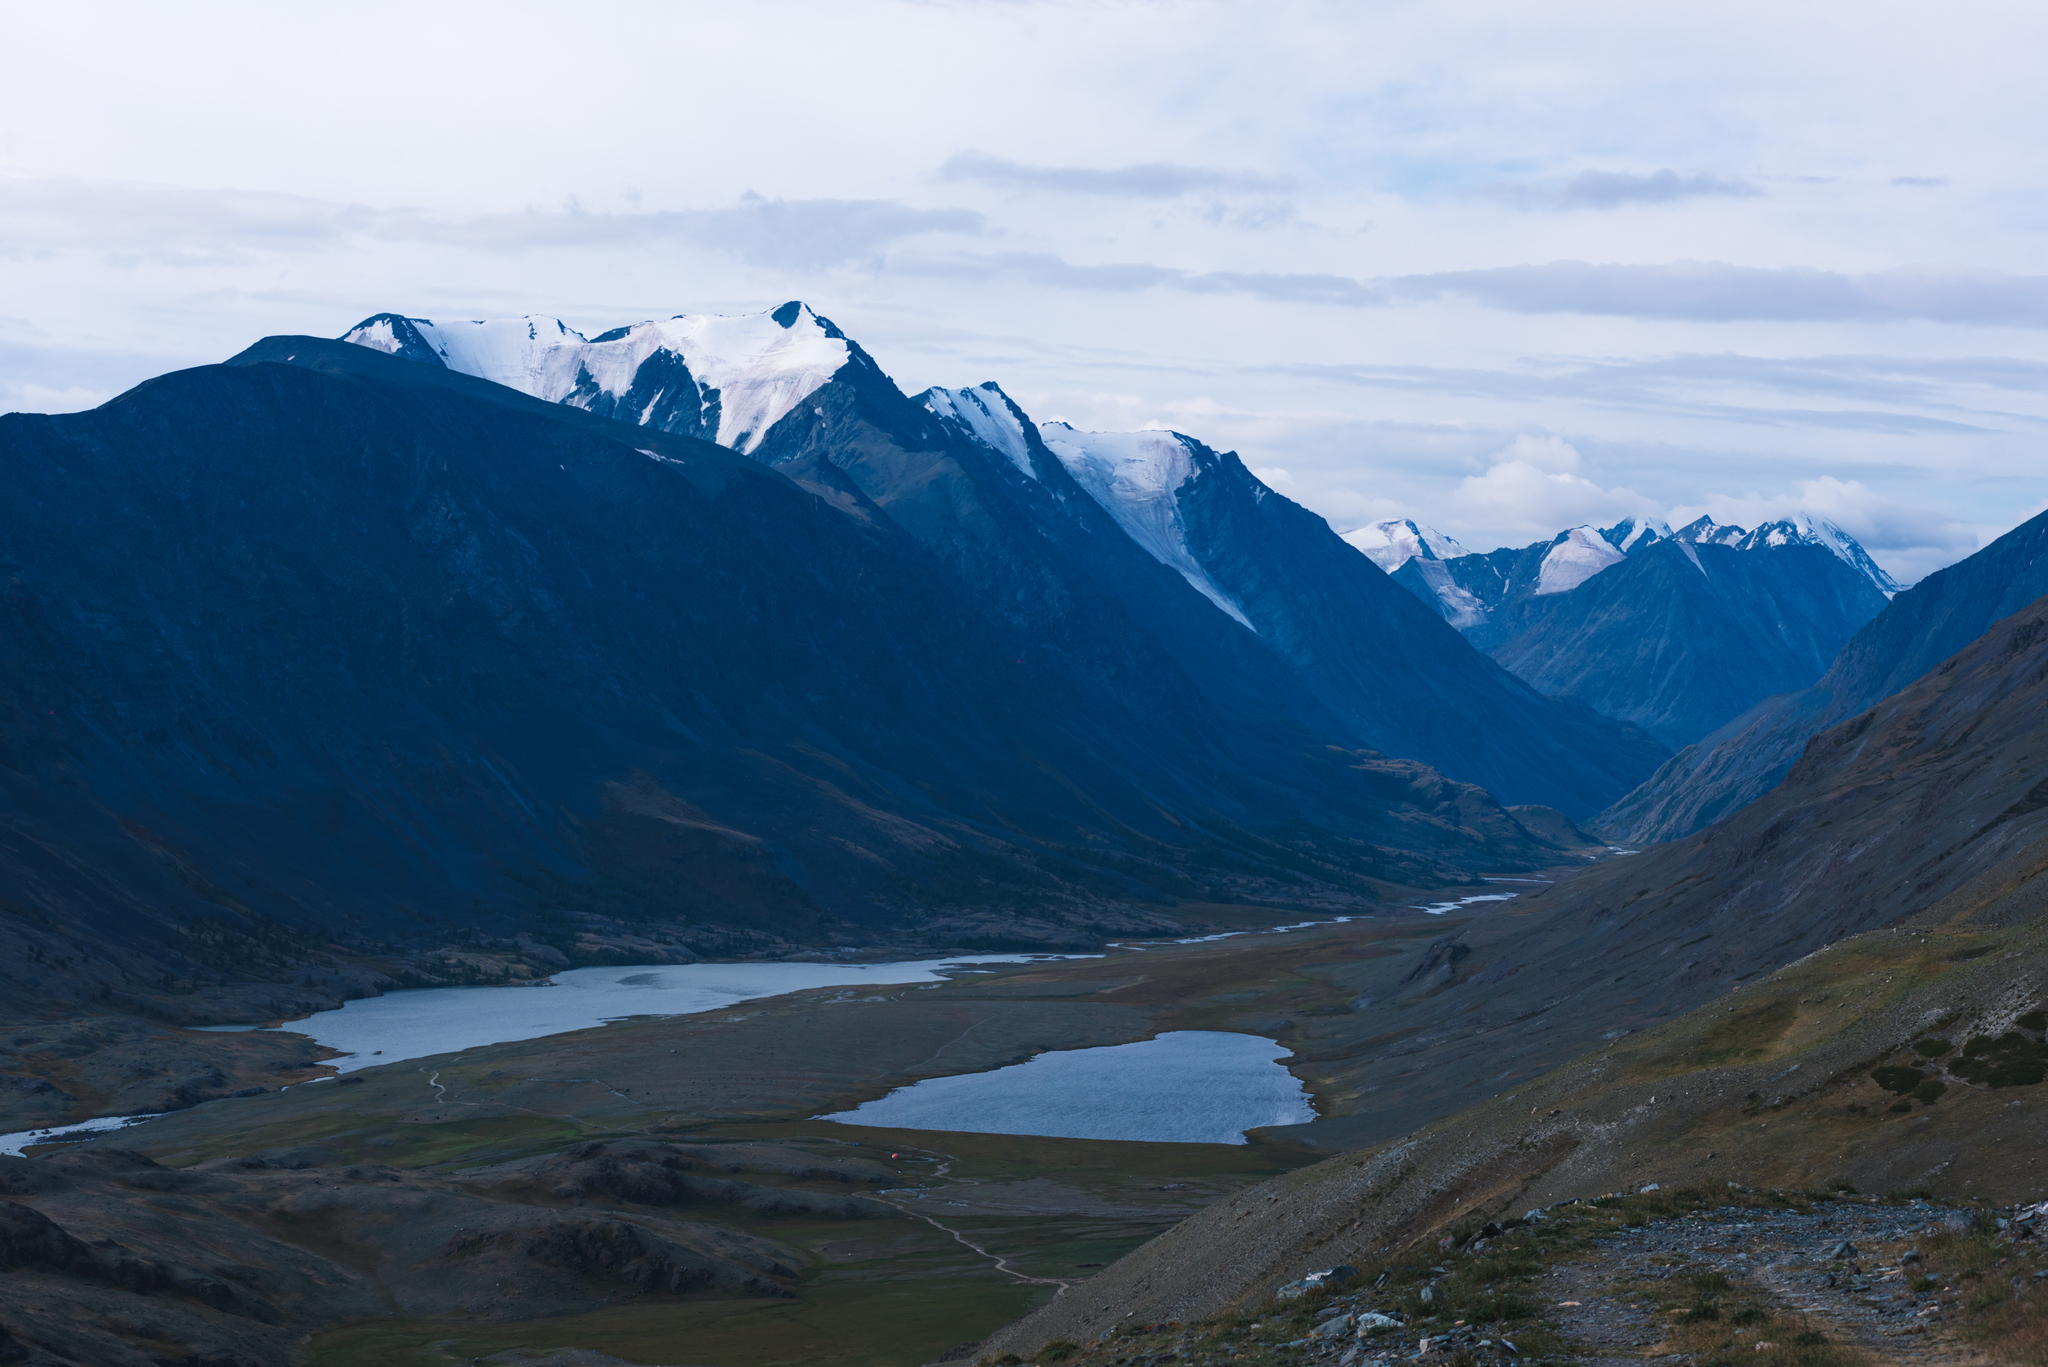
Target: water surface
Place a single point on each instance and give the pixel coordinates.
(419, 1022)
(1186, 1086)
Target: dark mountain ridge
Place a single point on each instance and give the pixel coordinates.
(1674, 631)
(323, 645)
(1678, 638)
(1022, 534)
(1745, 757)
(1505, 1074)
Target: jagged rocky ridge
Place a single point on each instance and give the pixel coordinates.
(1675, 631)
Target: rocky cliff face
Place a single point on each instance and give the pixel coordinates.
(1745, 757)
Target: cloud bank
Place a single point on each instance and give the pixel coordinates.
(172, 225)
(1618, 189)
(1149, 180)
(1679, 291)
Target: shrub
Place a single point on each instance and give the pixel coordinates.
(1897, 1078)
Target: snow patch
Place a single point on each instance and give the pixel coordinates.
(985, 414)
(1803, 529)
(1631, 534)
(755, 367)
(1137, 477)
(1577, 556)
(1707, 532)
(1393, 544)
(1460, 607)
(376, 335)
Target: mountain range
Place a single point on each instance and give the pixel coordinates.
(1675, 631)
(1745, 757)
(336, 644)
(1242, 587)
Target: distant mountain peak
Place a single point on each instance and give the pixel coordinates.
(728, 378)
(1704, 531)
(989, 416)
(1804, 529)
(1575, 556)
(1393, 543)
(1632, 534)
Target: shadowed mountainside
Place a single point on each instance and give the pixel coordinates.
(1286, 616)
(1896, 875)
(1744, 758)
(323, 645)
(1680, 638)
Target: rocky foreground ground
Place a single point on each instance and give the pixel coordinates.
(1770, 1278)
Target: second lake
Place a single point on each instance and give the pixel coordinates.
(1186, 1086)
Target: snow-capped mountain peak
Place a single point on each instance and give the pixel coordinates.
(1137, 477)
(1574, 557)
(1704, 531)
(730, 377)
(1393, 543)
(1631, 534)
(1804, 529)
(986, 414)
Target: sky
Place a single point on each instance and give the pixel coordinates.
(1500, 268)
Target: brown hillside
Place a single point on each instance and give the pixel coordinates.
(1895, 873)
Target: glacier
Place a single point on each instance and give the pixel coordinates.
(749, 370)
(1137, 477)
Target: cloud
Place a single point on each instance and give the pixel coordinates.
(803, 233)
(177, 226)
(1533, 489)
(1689, 291)
(1043, 268)
(1880, 523)
(1613, 189)
(1920, 182)
(35, 398)
(1714, 291)
(1148, 180)
(1725, 388)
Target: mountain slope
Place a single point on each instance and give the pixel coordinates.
(1678, 639)
(1492, 596)
(327, 645)
(1494, 1085)
(1743, 759)
(1674, 631)
(963, 482)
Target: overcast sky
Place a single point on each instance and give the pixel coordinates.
(1498, 267)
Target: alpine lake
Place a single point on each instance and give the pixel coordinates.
(982, 1226)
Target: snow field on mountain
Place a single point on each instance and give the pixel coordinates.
(1391, 544)
(1581, 554)
(984, 412)
(759, 369)
(1137, 477)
